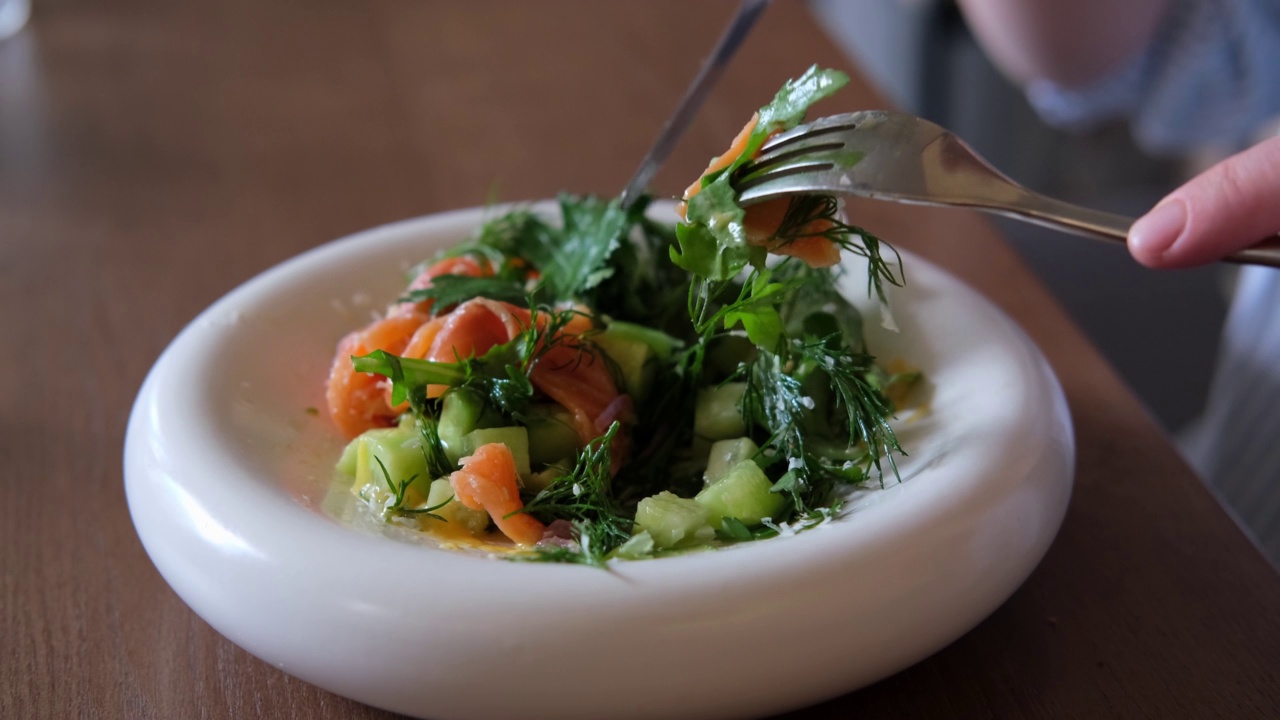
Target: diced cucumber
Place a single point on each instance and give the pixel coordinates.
(743, 493)
(515, 438)
(718, 414)
(673, 521)
(458, 518)
(661, 343)
(551, 434)
(459, 415)
(539, 481)
(632, 358)
(640, 546)
(725, 454)
(400, 451)
(347, 463)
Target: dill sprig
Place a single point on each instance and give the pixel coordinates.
(438, 464)
(399, 491)
(804, 210)
(866, 409)
(775, 399)
(585, 498)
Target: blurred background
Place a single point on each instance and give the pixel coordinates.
(1160, 330)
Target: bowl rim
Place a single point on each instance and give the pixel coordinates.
(201, 533)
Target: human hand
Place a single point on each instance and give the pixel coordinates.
(1230, 206)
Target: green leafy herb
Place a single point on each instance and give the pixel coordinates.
(776, 400)
(733, 529)
(400, 489)
(438, 464)
(585, 497)
(448, 290)
(714, 245)
(866, 409)
(815, 402)
(501, 375)
(804, 210)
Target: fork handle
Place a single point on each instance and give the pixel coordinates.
(1060, 215)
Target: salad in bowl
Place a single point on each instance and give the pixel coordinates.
(608, 386)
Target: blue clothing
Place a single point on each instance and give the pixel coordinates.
(1211, 75)
(1236, 446)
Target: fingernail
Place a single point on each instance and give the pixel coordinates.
(1154, 233)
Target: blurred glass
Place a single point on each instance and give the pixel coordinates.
(13, 15)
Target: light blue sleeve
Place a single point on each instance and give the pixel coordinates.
(1210, 75)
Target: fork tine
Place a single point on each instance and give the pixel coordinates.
(815, 130)
(794, 151)
(780, 172)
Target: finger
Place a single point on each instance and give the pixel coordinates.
(1230, 206)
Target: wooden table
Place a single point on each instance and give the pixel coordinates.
(153, 155)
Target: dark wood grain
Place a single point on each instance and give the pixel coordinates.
(155, 154)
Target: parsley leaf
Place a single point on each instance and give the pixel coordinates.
(574, 257)
(448, 290)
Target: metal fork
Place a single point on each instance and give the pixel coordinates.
(900, 157)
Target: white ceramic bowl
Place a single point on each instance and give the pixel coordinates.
(226, 474)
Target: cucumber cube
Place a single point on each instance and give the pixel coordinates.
(659, 342)
(551, 434)
(640, 546)
(515, 438)
(673, 521)
(718, 414)
(632, 358)
(347, 463)
(743, 493)
(459, 520)
(400, 451)
(725, 454)
(459, 415)
(539, 481)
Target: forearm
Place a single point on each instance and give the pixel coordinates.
(1070, 42)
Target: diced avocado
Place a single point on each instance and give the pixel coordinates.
(515, 438)
(400, 451)
(725, 454)
(551, 434)
(673, 521)
(459, 415)
(632, 358)
(718, 413)
(743, 493)
(457, 517)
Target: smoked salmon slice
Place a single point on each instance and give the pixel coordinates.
(359, 401)
(488, 482)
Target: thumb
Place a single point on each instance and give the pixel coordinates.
(1230, 206)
